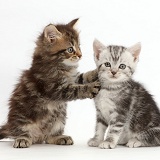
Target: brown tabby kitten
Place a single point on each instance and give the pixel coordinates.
(37, 110)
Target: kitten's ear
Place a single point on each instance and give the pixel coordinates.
(97, 48)
(135, 50)
(51, 33)
(73, 23)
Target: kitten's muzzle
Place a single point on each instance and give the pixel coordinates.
(77, 55)
(75, 58)
(114, 72)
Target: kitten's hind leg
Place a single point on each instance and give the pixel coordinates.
(60, 140)
(150, 137)
(22, 142)
(134, 143)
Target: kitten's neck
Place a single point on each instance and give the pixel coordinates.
(114, 85)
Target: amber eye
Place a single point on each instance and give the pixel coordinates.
(122, 66)
(107, 64)
(70, 49)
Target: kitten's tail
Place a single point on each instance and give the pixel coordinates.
(3, 132)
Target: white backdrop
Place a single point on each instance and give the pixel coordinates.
(121, 22)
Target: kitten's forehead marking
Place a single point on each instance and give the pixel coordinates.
(116, 52)
(72, 44)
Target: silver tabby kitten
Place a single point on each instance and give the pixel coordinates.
(124, 107)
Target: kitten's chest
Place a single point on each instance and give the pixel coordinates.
(71, 75)
(104, 102)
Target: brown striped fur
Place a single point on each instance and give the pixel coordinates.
(37, 110)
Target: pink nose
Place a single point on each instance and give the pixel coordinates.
(79, 55)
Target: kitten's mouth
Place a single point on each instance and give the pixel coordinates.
(75, 59)
(113, 77)
(71, 61)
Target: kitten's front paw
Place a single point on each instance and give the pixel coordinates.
(67, 140)
(60, 140)
(22, 143)
(93, 142)
(94, 89)
(107, 145)
(134, 143)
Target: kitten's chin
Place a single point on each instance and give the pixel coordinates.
(118, 79)
(115, 79)
(69, 62)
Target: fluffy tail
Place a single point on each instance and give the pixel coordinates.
(3, 132)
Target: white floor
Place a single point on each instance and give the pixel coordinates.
(78, 151)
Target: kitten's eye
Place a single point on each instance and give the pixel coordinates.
(122, 66)
(70, 49)
(107, 64)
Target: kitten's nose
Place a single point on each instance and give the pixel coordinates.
(113, 72)
(79, 54)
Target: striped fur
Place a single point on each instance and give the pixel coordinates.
(124, 106)
(38, 103)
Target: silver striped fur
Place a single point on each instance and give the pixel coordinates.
(125, 109)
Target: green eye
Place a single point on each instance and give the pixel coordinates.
(107, 64)
(70, 49)
(122, 66)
